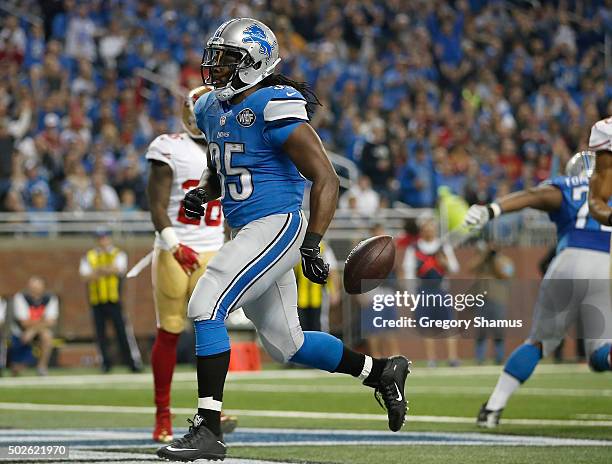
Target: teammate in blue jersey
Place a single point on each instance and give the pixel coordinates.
(575, 285)
(261, 149)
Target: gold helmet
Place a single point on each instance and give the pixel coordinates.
(188, 116)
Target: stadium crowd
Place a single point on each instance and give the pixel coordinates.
(484, 97)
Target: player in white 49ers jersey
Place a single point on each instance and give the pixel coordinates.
(183, 247)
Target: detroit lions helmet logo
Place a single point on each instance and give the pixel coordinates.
(256, 35)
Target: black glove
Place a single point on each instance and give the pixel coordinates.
(194, 202)
(313, 266)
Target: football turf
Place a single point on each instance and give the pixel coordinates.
(565, 401)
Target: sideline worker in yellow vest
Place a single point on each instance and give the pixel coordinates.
(102, 268)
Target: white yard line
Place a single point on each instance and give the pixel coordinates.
(275, 374)
(332, 389)
(293, 414)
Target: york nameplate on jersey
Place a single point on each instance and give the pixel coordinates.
(246, 117)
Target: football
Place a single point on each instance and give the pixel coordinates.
(368, 264)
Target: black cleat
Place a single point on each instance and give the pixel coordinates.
(198, 443)
(390, 390)
(488, 418)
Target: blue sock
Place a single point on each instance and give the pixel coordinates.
(523, 361)
(320, 350)
(211, 337)
(599, 359)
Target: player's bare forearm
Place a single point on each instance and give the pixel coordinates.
(323, 201)
(158, 191)
(544, 198)
(306, 150)
(210, 182)
(600, 189)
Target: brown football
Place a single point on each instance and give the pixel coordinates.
(368, 264)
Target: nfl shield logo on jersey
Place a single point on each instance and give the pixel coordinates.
(246, 117)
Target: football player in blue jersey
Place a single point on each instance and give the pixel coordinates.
(575, 284)
(261, 149)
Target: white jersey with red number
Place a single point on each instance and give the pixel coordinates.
(187, 159)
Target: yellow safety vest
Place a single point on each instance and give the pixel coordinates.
(310, 295)
(106, 288)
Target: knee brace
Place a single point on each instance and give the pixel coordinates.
(600, 359)
(211, 337)
(523, 361)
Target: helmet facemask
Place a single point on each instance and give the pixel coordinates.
(241, 53)
(220, 69)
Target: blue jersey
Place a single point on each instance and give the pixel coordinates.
(245, 141)
(575, 226)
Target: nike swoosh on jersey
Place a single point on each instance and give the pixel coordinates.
(399, 395)
(291, 94)
(171, 448)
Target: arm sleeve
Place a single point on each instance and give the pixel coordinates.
(20, 308)
(52, 310)
(453, 264)
(85, 269)
(121, 262)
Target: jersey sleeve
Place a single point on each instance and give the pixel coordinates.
(559, 182)
(285, 102)
(160, 150)
(283, 113)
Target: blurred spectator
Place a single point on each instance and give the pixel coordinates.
(376, 161)
(102, 268)
(417, 180)
(513, 88)
(367, 200)
(35, 314)
(430, 261)
(492, 270)
(105, 197)
(80, 34)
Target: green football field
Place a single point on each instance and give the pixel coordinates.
(563, 414)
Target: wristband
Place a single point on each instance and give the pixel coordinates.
(168, 234)
(494, 210)
(311, 240)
